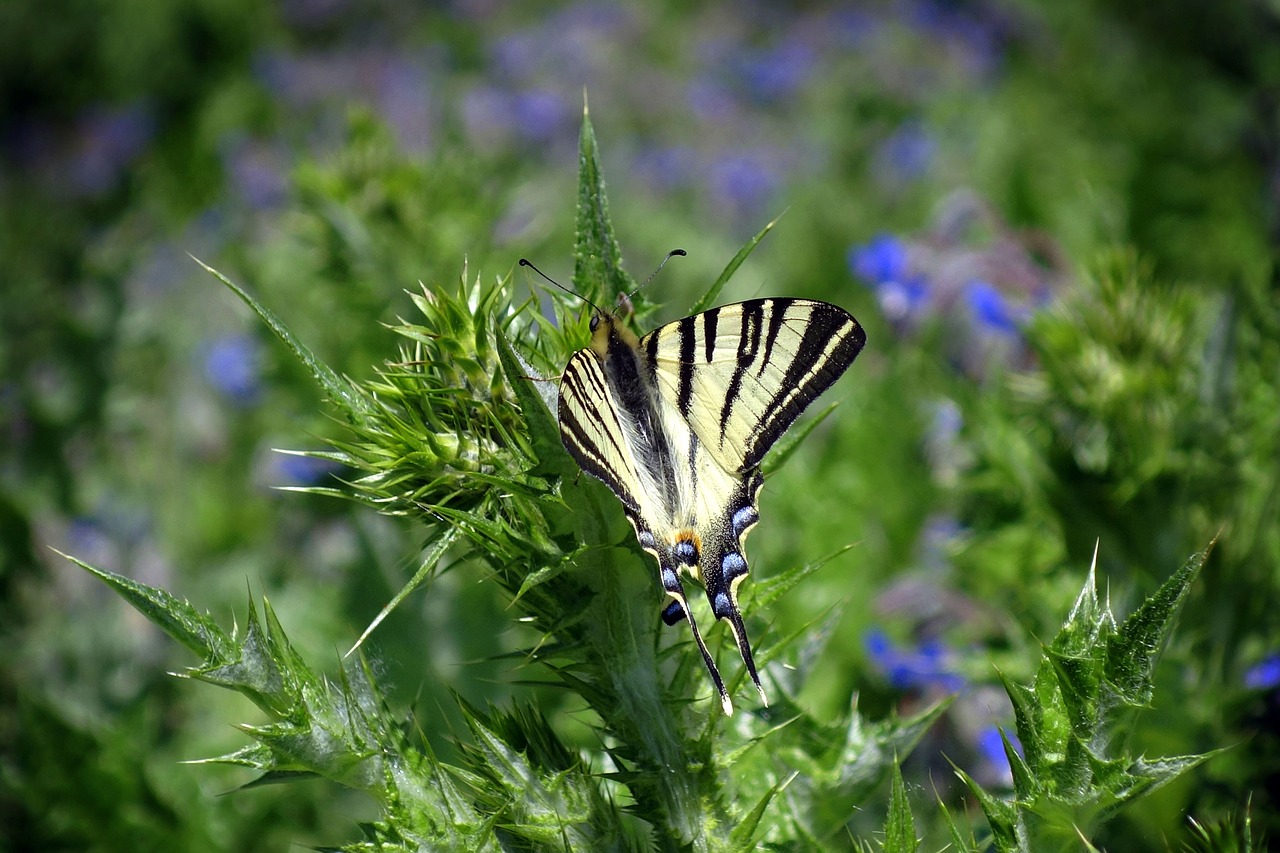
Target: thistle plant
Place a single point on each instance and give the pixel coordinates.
(458, 432)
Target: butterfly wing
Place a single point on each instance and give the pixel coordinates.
(739, 376)
(591, 429)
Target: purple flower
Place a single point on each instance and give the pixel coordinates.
(907, 154)
(516, 56)
(87, 539)
(710, 102)
(922, 667)
(109, 141)
(743, 182)
(313, 14)
(976, 42)
(404, 100)
(486, 114)
(776, 74)
(232, 365)
(257, 171)
(947, 457)
(540, 114)
(853, 27)
(882, 260)
(664, 168)
(1264, 675)
(989, 308)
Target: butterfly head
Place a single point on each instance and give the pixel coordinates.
(608, 333)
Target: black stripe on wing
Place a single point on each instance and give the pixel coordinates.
(829, 344)
(590, 430)
(752, 320)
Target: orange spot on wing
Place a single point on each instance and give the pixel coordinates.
(691, 536)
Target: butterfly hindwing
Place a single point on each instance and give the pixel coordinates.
(677, 423)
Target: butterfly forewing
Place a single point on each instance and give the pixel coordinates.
(590, 429)
(751, 368)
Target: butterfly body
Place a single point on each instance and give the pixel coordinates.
(677, 422)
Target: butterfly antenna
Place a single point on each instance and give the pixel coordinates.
(525, 262)
(673, 253)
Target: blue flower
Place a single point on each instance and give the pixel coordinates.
(882, 260)
(990, 747)
(110, 140)
(923, 667)
(899, 300)
(298, 470)
(907, 154)
(664, 168)
(742, 182)
(1264, 675)
(778, 73)
(232, 365)
(990, 308)
(540, 114)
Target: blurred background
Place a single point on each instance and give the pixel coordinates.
(1057, 222)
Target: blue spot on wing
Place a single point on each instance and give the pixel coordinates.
(744, 518)
(733, 565)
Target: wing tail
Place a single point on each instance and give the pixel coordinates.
(744, 649)
(679, 608)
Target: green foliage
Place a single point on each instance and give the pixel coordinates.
(1231, 834)
(334, 156)
(453, 433)
(900, 826)
(1076, 720)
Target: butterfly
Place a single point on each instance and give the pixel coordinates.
(676, 424)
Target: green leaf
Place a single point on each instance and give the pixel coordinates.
(426, 569)
(597, 267)
(543, 430)
(900, 826)
(768, 591)
(1008, 832)
(785, 447)
(257, 671)
(1028, 717)
(339, 390)
(176, 618)
(1132, 653)
(856, 757)
(743, 835)
(961, 841)
(1076, 771)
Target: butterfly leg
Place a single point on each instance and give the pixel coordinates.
(671, 583)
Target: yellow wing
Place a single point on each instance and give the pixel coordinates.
(741, 374)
